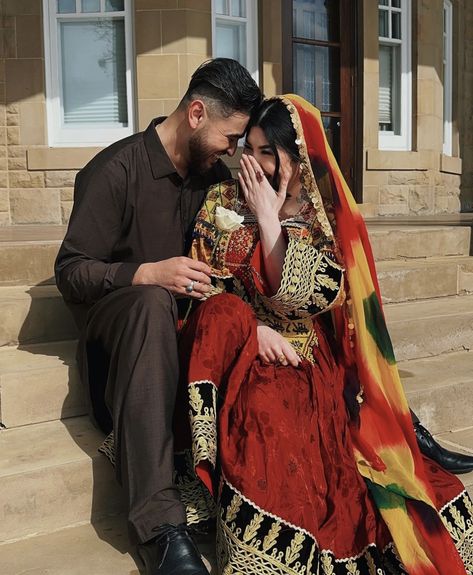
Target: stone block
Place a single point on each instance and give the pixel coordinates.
(5, 219)
(3, 136)
(60, 178)
(158, 76)
(17, 163)
(3, 179)
(148, 32)
(24, 79)
(4, 201)
(35, 206)
(18, 7)
(12, 119)
(393, 209)
(25, 179)
(13, 108)
(67, 194)
(421, 199)
(393, 195)
(188, 63)
(8, 43)
(203, 5)
(408, 178)
(17, 151)
(147, 110)
(29, 36)
(187, 32)
(27, 262)
(32, 123)
(66, 209)
(13, 136)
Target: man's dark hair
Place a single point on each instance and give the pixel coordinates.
(225, 86)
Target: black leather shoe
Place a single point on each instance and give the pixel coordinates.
(450, 460)
(172, 552)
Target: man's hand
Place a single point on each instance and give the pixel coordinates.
(175, 274)
(273, 348)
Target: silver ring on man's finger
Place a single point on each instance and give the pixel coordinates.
(190, 288)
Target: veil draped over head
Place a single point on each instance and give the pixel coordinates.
(385, 445)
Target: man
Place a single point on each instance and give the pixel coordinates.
(122, 269)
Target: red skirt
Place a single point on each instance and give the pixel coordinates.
(272, 444)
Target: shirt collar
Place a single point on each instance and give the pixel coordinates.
(161, 165)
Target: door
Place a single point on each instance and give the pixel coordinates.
(321, 54)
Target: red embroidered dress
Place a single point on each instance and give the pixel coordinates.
(275, 445)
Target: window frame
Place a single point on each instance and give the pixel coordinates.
(447, 37)
(390, 140)
(251, 20)
(88, 135)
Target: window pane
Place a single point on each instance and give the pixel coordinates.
(383, 16)
(221, 7)
(316, 20)
(239, 8)
(396, 3)
(93, 72)
(231, 40)
(114, 5)
(66, 6)
(332, 131)
(317, 75)
(390, 89)
(383, 2)
(396, 25)
(90, 5)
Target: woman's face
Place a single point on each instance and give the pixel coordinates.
(257, 145)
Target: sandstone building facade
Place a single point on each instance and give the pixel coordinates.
(393, 78)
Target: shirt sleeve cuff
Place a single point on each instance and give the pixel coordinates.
(124, 274)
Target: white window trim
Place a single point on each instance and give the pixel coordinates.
(389, 140)
(448, 79)
(251, 35)
(59, 136)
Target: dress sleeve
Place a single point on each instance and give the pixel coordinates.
(312, 279)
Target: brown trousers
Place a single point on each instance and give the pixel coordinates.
(129, 357)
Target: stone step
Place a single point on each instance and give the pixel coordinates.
(440, 389)
(39, 383)
(460, 440)
(27, 253)
(98, 549)
(390, 243)
(51, 477)
(430, 327)
(34, 315)
(404, 280)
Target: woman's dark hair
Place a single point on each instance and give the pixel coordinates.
(274, 119)
(225, 86)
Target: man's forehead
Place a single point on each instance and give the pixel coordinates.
(234, 124)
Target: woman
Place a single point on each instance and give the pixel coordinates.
(298, 423)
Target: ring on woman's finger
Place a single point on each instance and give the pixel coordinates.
(190, 287)
(281, 359)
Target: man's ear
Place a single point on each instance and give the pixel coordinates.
(195, 113)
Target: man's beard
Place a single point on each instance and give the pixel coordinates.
(199, 153)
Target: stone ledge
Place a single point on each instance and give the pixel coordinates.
(45, 158)
(396, 160)
(450, 164)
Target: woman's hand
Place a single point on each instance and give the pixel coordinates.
(273, 348)
(262, 199)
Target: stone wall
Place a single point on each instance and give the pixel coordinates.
(466, 117)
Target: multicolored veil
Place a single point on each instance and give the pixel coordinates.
(385, 445)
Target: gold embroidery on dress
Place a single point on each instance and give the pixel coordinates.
(457, 516)
(203, 421)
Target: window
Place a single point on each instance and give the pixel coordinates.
(395, 83)
(88, 71)
(447, 77)
(235, 32)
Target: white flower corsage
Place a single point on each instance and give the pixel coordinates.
(227, 220)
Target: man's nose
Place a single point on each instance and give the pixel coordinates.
(232, 149)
